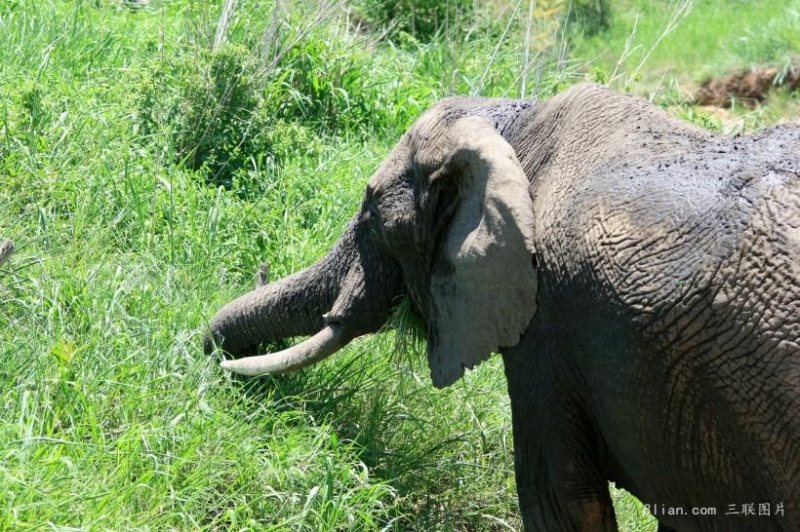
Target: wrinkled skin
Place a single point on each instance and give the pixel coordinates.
(641, 278)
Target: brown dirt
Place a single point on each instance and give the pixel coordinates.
(748, 88)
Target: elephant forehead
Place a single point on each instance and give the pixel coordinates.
(391, 170)
(427, 140)
(435, 133)
(428, 143)
(420, 151)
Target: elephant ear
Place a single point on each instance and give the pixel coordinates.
(483, 281)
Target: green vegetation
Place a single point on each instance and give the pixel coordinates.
(664, 50)
(715, 36)
(150, 160)
(703, 38)
(420, 20)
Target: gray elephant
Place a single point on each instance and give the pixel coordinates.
(639, 276)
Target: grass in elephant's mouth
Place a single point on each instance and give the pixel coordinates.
(110, 416)
(409, 333)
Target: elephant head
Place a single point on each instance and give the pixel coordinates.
(447, 220)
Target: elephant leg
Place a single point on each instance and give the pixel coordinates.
(560, 493)
(559, 481)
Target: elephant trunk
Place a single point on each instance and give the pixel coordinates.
(293, 306)
(290, 307)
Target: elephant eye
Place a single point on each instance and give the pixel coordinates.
(372, 211)
(371, 217)
(446, 202)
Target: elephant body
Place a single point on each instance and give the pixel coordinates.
(673, 298)
(639, 276)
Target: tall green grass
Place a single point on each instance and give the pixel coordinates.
(150, 161)
(112, 417)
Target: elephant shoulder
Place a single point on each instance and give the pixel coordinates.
(661, 225)
(681, 232)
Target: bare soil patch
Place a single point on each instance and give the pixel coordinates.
(747, 88)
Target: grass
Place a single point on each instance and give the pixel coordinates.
(714, 36)
(112, 418)
(665, 50)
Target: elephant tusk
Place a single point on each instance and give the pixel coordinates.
(320, 346)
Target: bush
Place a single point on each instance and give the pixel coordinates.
(592, 16)
(328, 86)
(207, 104)
(220, 113)
(422, 19)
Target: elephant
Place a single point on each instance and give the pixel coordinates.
(638, 275)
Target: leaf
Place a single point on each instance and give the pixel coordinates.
(64, 351)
